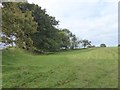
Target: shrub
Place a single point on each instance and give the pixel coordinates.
(102, 45)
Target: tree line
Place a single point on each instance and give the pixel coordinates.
(29, 27)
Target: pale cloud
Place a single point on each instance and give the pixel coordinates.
(96, 20)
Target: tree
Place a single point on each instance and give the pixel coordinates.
(90, 46)
(102, 45)
(74, 42)
(69, 40)
(46, 37)
(64, 38)
(17, 27)
(31, 28)
(85, 42)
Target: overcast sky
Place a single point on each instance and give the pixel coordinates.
(95, 20)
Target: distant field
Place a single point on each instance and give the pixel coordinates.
(86, 68)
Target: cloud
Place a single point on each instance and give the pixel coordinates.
(96, 20)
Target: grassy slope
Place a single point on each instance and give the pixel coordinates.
(79, 68)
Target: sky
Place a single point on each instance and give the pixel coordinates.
(95, 20)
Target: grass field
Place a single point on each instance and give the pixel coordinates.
(86, 68)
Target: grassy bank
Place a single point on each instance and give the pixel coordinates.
(90, 68)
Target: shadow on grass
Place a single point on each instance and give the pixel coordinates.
(71, 51)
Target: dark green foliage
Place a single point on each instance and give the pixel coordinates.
(69, 40)
(91, 46)
(85, 43)
(74, 42)
(17, 27)
(65, 38)
(102, 45)
(31, 28)
(118, 45)
(45, 38)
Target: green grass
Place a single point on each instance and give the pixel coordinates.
(86, 68)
